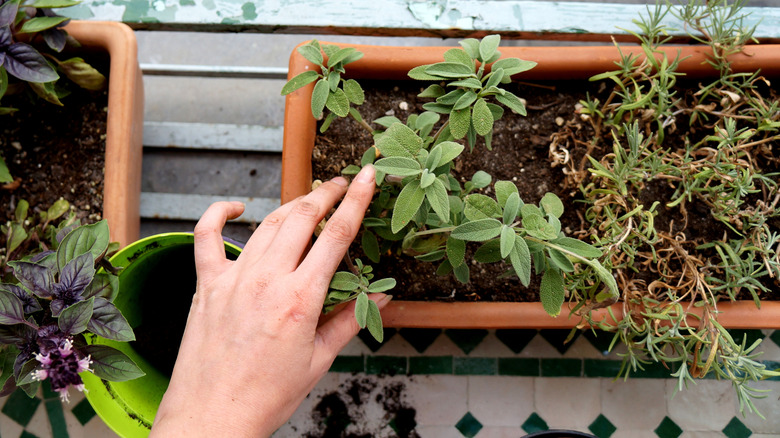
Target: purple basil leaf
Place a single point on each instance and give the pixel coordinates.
(78, 273)
(8, 13)
(88, 238)
(56, 307)
(6, 39)
(103, 285)
(34, 277)
(25, 376)
(31, 304)
(107, 321)
(24, 62)
(111, 364)
(65, 231)
(40, 256)
(74, 319)
(11, 309)
(56, 38)
(17, 334)
(32, 389)
(23, 362)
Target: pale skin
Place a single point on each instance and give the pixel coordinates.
(255, 344)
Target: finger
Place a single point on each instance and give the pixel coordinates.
(333, 335)
(295, 232)
(258, 243)
(342, 227)
(209, 247)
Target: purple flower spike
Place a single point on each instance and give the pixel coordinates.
(62, 366)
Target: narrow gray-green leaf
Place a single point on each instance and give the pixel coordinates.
(481, 179)
(361, 309)
(400, 166)
(511, 208)
(552, 292)
(471, 46)
(456, 251)
(319, 97)
(481, 117)
(520, 257)
(490, 252)
(451, 97)
(459, 56)
(472, 83)
(313, 54)
(343, 280)
(449, 70)
(465, 101)
(538, 227)
(434, 91)
(488, 46)
(512, 102)
(504, 189)
(460, 121)
(449, 151)
(560, 260)
(478, 230)
(507, 241)
(338, 103)
(382, 285)
(374, 322)
(578, 247)
(409, 201)
(419, 73)
(479, 206)
(339, 56)
(405, 136)
(436, 194)
(370, 246)
(552, 204)
(390, 147)
(354, 92)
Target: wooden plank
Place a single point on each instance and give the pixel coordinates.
(437, 18)
(215, 71)
(213, 136)
(176, 206)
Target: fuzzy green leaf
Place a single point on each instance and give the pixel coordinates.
(481, 179)
(578, 247)
(511, 208)
(405, 136)
(451, 97)
(346, 281)
(390, 147)
(338, 103)
(354, 92)
(374, 322)
(552, 292)
(339, 56)
(387, 121)
(427, 179)
(436, 194)
(456, 251)
(437, 108)
(490, 252)
(488, 46)
(512, 102)
(361, 309)
(481, 117)
(449, 151)
(370, 246)
(460, 121)
(530, 210)
(465, 101)
(560, 260)
(507, 241)
(459, 56)
(311, 53)
(449, 70)
(409, 201)
(471, 46)
(462, 273)
(472, 83)
(479, 206)
(478, 231)
(419, 73)
(496, 75)
(520, 257)
(538, 227)
(434, 91)
(496, 111)
(552, 204)
(382, 285)
(319, 97)
(512, 66)
(400, 166)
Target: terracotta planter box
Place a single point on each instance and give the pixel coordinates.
(553, 63)
(122, 184)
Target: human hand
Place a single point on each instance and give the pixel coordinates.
(252, 349)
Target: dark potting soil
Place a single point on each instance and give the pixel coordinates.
(56, 151)
(521, 150)
(363, 407)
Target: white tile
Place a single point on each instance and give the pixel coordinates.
(355, 347)
(500, 432)
(702, 434)
(620, 398)
(633, 433)
(39, 423)
(9, 427)
(703, 406)
(769, 407)
(438, 432)
(567, 403)
(439, 400)
(501, 400)
(491, 346)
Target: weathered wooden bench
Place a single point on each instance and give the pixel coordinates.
(515, 19)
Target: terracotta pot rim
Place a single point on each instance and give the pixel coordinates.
(558, 62)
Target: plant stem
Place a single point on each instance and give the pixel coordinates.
(363, 123)
(435, 231)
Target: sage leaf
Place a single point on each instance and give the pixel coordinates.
(495, 110)
(419, 73)
(433, 91)
(481, 117)
(334, 78)
(449, 70)
(75, 318)
(390, 147)
(578, 247)
(400, 166)
(354, 92)
(560, 260)
(472, 83)
(433, 256)
(489, 252)
(370, 246)
(436, 194)
(339, 56)
(496, 75)
(462, 273)
(479, 206)
(319, 97)
(437, 108)
(456, 251)
(478, 230)
(434, 158)
(374, 322)
(107, 321)
(528, 210)
(383, 285)
(452, 97)
(537, 227)
(111, 364)
(387, 121)
(552, 204)
(449, 151)
(459, 56)
(511, 208)
(512, 102)
(471, 46)
(512, 66)
(465, 100)
(409, 201)
(311, 53)
(520, 257)
(551, 292)
(405, 136)
(481, 179)
(361, 309)
(606, 277)
(487, 47)
(507, 241)
(338, 103)
(343, 280)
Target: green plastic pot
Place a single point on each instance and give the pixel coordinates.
(129, 408)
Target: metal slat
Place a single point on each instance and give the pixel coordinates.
(213, 136)
(453, 18)
(176, 206)
(214, 71)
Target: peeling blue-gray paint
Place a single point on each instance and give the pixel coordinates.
(250, 13)
(427, 12)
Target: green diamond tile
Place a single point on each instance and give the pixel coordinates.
(752, 335)
(369, 340)
(772, 365)
(475, 366)
(466, 340)
(557, 338)
(775, 337)
(518, 366)
(601, 427)
(430, 365)
(20, 408)
(668, 429)
(601, 368)
(561, 367)
(654, 370)
(47, 392)
(736, 429)
(599, 339)
(83, 411)
(390, 365)
(347, 364)
(26, 434)
(420, 339)
(516, 339)
(468, 426)
(534, 423)
(404, 422)
(59, 428)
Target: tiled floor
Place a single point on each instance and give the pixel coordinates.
(467, 383)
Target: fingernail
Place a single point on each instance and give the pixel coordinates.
(237, 203)
(366, 175)
(383, 302)
(340, 180)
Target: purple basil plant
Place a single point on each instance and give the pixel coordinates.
(60, 300)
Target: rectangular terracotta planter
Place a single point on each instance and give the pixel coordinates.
(553, 63)
(124, 132)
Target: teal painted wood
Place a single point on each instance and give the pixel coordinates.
(439, 18)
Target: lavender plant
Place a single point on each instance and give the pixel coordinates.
(55, 301)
